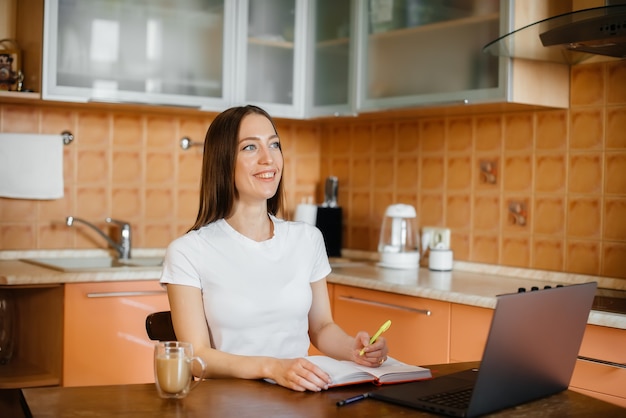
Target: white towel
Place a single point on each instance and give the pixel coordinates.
(31, 166)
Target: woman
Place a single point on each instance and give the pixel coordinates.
(247, 289)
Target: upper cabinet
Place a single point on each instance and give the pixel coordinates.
(295, 58)
(331, 58)
(146, 51)
(416, 52)
(270, 65)
(208, 54)
(430, 52)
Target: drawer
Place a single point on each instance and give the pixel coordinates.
(419, 333)
(600, 381)
(603, 381)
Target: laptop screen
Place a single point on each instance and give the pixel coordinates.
(532, 345)
(530, 353)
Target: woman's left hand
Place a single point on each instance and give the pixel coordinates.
(374, 355)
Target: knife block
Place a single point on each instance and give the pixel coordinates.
(329, 221)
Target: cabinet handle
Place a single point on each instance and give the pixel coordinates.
(121, 294)
(385, 305)
(605, 362)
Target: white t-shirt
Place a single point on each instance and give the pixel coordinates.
(257, 295)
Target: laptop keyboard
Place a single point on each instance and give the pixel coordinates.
(458, 399)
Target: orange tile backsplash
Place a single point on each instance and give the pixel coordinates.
(548, 254)
(518, 132)
(517, 173)
(587, 85)
(585, 173)
(550, 173)
(486, 216)
(565, 169)
(551, 133)
(584, 217)
(586, 128)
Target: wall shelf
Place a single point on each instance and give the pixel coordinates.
(37, 356)
(450, 24)
(20, 95)
(20, 373)
(270, 42)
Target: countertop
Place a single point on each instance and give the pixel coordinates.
(469, 283)
(15, 272)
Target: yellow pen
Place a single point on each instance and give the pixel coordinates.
(384, 327)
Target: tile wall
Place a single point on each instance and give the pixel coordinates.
(551, 195)
(129, 166)
(539, 189)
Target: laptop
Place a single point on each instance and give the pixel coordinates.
(530, 353)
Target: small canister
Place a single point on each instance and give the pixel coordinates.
(440, 259)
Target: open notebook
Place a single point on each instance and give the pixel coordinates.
(530, 353)
(349, 373)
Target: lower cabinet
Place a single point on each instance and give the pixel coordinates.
(105, 340)
(469, 327)
(598, 379)
(419, 333)
(31, 321)
(426, 331)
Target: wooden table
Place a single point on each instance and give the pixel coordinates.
(245, 398)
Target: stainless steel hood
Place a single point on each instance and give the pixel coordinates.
(568, 38)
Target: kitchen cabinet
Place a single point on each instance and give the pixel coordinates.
(469, 327)
(23, 21)
(330, 58)
(209, 54)
(156, 52)
(597, 379)
(296, 58)
(421, 52)
(37, 354)
(270, 63)
(419, 333)
(105, 340)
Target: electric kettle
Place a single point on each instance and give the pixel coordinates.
(399, 241)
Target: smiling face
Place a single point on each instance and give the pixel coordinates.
(259, 164)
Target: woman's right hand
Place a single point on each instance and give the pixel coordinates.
(299, 374)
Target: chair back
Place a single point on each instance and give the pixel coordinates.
(159, 326)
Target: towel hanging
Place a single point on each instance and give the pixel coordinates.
(31, 166)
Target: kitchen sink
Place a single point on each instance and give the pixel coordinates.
(69, 264)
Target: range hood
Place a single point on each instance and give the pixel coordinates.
(568, 38)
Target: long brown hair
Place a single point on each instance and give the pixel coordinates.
(217, 188)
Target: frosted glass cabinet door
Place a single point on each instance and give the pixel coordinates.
(427, 51)
(271, 55)
(330, 88)
(148, 51)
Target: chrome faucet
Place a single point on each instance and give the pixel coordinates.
(123, 247)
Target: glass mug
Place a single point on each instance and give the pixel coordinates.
(172, 369)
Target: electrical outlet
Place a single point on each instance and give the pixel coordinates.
(435, 237)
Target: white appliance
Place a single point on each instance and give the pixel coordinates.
(399, 238)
